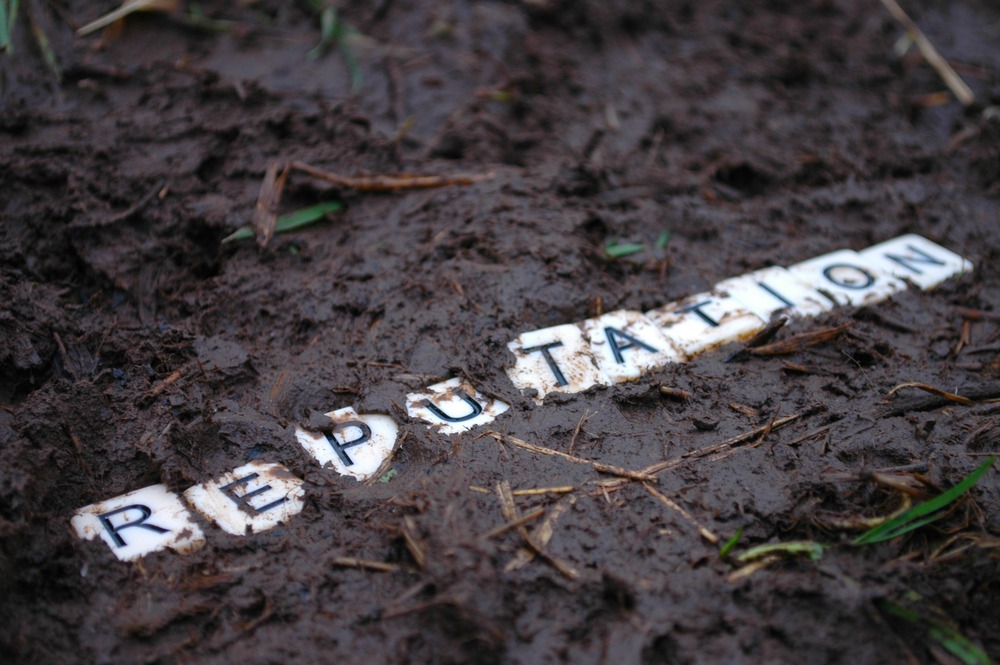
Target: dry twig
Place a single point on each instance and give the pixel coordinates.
(606, 468)
(705, 533)
(388, 182)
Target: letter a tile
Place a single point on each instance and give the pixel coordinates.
(554, 359)
(354, 445)
(253, 498)
(140, 522)
(847, 278)
(627, 344)
(916, 259)
(453, 406)
(704, 321)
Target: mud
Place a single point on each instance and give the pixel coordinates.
(135, 349)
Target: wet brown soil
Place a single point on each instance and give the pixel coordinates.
(135, 349)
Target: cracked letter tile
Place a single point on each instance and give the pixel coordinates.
(250, 499)
(704, 321)
(766, 291)
(453, 406)
(917, 259)
(140, 522)
(354, 445)
(848, 278)
(554, 359)
(627, 344)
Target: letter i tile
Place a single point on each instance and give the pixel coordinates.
(556, 359)
(766, 291)
(453, 406)
(354, 445)
(627, 344)
(140, 522)
(704, 321)
(253, 498)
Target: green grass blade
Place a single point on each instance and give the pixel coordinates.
(730, 544)
(305, 216)
(243, 233)
(887, 530)
(289, 222)
(352, 63)
(327, 31)
(793, 548)
(5, 26)
(625, 249)
(662, 241)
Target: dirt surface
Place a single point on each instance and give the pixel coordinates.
(136, 349)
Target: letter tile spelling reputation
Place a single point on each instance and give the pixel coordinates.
(917, 259)
(140, 522)
(556, 359)
(627, 344)
(704, 321)
(253, 498)
(354, 445)
(847, 278)
(769, 290)
(453, 406)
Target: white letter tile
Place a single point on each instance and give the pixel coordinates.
(766, 291)
(704, 321)
(554, 359)
(848, 277)
(453, 406)
(354, 445)
(627, 344)
(253, 498)
(140, 522)
(917, 259)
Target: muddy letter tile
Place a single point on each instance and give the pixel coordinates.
(704, 321)
(554, 360)
(917, 259)
(140, 522)
(627, 344)
(847, 278)
(354, 445)
(250, 499)
(766, 291)
(453, 406)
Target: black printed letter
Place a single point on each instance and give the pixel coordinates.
(828, 273)
(245, 498)
(476, 407)
(903, 260)
(705, 317)
(113, 530)
(544, 348)
(366, 434)
(617, 348)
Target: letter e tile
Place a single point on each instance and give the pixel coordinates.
(704, 321)
(140, 522)
(253, 498)
(847, 278)
(354, 445)
(627, 344)
(917, 259)
(453, 406)
(556, 359)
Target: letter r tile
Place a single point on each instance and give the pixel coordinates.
(453, 406)
(252, 498)
(847, 278)
(554, 359)
(140, 522)
(917, 259)
(354, 445)
(627, 344)
(704, 321)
